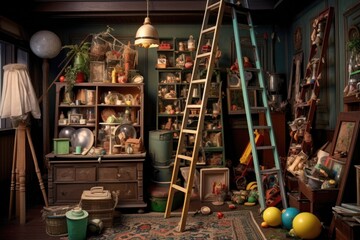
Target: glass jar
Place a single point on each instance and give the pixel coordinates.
(352, 85)
(111, 98)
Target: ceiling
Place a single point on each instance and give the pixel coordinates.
(133, 11)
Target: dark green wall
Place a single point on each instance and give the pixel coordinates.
(331, 92)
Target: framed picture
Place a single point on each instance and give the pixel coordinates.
(344, 155)
(97, 71)
(236, 101)
(344, 137)
(74, 118)
(210, 179)
(337, 169)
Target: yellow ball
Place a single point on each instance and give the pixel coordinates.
(272, 216)
(306, 225)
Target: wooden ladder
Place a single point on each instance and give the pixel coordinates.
(241, 19)
(307, 98)
(204, 60)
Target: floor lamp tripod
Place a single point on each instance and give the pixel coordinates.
(18, 172)
(18, 101)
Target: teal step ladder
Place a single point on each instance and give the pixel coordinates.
(205, 61)
(246, 28)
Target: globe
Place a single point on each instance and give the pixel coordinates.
(45, 44)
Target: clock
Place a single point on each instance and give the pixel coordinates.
(248, 75)
(233, 80)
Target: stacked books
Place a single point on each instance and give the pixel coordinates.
(348, 212)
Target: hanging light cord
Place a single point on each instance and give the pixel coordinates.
(147, 8)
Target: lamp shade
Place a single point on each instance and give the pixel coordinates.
(147, 36)
(18, 96)
(45, 44)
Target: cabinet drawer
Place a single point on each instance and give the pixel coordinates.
(118, 173)
(69, 174)
(70, 192)
(127, 191)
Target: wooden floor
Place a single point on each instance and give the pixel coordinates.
(34, 229)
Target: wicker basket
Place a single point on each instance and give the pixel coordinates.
(98, 208)
(55, 220)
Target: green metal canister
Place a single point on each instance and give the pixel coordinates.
(77, 220)
(160, 147)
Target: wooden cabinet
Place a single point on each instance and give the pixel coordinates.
(70, 175)
(346, 230)
(122, 171)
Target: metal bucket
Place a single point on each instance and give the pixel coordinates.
(276, 82)
(160, 147)
(163, 173)
(77, 220)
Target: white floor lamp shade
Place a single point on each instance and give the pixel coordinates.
(18, 97)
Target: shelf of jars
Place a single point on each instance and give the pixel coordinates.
(107, 112)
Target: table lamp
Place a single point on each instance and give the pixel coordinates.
(18, 102)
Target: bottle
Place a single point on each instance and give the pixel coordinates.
(191, 43)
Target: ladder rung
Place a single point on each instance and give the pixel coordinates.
(244, 26)
(193, 106)
(255, 88)
(204, 55)
(258, 109)
(189, 131)
(214, 6)
(177, 187)
(262, 127)
(252, 69)
(208, 30)
(198, 81)
(265, 147)
(184, 157)
(270, 171)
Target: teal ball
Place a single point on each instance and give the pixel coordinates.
(288, 216)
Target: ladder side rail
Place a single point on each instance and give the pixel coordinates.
(247, 107)
(277, 159)
(201, 117)
(184, 131)
(184, 121)
(264, 96)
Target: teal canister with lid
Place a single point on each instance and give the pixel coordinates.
(77, 221)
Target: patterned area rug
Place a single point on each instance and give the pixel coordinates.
(234, 225)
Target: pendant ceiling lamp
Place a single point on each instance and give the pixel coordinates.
(147, 36)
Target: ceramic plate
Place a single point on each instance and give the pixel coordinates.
(107, 112)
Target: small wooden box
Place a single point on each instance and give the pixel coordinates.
(318, 195)
(61, 145)
(135, 143)
(295, 201)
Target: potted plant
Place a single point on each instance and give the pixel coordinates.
(80, 68)
(353, 46)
